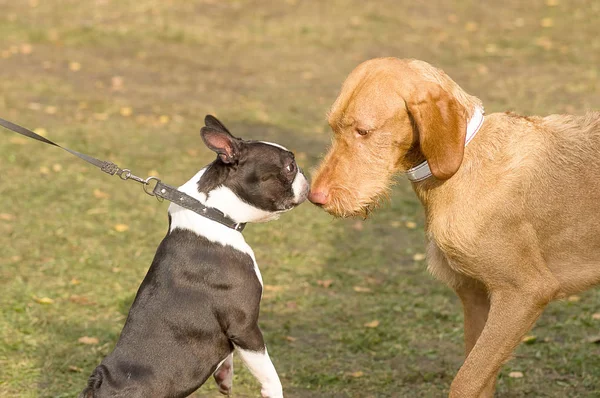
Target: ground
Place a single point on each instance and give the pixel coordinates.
(349, 309)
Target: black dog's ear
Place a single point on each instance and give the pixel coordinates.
(212, 122)
(217, 138)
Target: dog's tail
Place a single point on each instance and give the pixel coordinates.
(94, 382)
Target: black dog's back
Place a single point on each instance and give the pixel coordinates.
(178, 328)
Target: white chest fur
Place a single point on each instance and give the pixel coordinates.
(215, 232)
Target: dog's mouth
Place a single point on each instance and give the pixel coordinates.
(345, 206)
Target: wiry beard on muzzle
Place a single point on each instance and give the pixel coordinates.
(345, 204)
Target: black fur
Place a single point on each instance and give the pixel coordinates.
(183, 321)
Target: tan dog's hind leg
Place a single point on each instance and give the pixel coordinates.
(513, 311)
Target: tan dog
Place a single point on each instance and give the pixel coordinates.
(513, 218)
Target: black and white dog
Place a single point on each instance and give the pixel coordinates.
(199, 301)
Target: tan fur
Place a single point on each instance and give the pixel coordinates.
(512, 223)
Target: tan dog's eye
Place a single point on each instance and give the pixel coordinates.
(362, 132)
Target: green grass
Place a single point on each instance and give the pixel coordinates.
(269, 70)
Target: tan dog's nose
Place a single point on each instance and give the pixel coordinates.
(318, 197)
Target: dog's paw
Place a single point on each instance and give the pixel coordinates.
(274, 391)
(224, 376)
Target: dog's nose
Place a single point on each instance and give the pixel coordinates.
(319, 197)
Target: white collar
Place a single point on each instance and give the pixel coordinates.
(421, 171)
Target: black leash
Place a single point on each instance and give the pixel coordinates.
(160, 190)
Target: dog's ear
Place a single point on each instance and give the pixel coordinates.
(217, 138)
(212, 122)
(441, 127)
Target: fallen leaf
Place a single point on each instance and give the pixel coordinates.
(482, 69)
(56, 167)
(6, 217)
(51, 110)
(515, 375)
(101, 116)
(410, 224)
(40, 131)
(16, 258)
(452, 18)
(97, 211)
(291, 304)
(75, 281)
(358, 226)
(471, 26)
(491, 48)
(126, 111)
(301, 156)
(116, 83)
(325, 283)
(75, 369)
(43, 300)
(272, 288)
(395, 224)
(88, 340)
(164, 119)
(34, 106)
(307, 75)
(82, 300)
(551, 3)
(116, 270)
(529, 339)
(361, 289)
(290, 338)
(18, 140)
(121, 227)
(596, 316)
(153, 173)
(419, 257)
(26, 48)
(372, 324)
(74, 66)
(100, 194)
(192, 152)
(357, 374)
(44, 170)
(547, 22)
(544, 42)
(574, 299)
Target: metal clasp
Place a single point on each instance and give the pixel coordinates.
(150, 189)
(126, 174)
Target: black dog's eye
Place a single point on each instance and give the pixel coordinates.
(290, 168)
(362, 132)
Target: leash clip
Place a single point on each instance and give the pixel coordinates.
(126, 174)
(150, 189)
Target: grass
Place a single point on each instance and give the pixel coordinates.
(269, 70)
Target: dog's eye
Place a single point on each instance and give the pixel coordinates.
(362, 132)
(290, 168)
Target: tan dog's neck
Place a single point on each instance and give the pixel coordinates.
(422, 171)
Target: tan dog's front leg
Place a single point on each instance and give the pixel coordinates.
(476, 305)
(512, 313)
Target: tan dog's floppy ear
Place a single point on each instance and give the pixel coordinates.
(440, 121)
